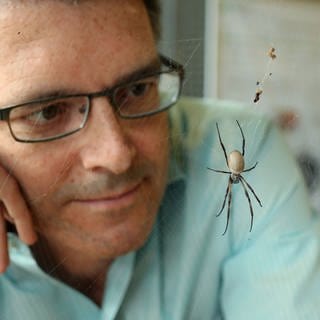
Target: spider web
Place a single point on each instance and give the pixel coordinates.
(242, 62)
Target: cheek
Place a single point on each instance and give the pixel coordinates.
(40, 173)
(153, 144)
(152, 140)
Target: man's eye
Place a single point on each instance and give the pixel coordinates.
(49, 112)
(130, 94)
(46, 113)
(40, 114)
(139, 89)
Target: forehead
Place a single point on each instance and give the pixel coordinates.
(52, 44)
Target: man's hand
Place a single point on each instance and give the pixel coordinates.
(13, 209)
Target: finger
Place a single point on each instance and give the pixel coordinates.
(4, 256)
(5, 213)
(18, 211)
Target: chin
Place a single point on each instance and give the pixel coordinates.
(127, 236)
(104, 237)
(98, 231)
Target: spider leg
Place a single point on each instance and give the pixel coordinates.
(222, 145)
(243, 138)
(220, 171)
(225, 198)
(229, 206)
(251, 189)
(250, 168)
(249, 200)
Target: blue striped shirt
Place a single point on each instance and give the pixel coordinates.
(188, 270)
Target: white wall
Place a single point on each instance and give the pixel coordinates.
(183, 39)
(239, 34)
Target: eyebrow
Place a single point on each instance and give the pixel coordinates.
(152, 67)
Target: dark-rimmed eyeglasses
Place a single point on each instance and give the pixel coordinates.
(54, 118)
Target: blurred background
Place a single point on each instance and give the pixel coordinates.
(224, 46)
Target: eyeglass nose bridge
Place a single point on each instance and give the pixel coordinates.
(107, 93)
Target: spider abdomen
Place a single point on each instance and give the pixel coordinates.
(236, 162)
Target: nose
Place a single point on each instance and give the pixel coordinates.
(106, 142)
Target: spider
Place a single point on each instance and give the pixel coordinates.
(235, 163)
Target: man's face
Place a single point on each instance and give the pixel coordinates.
(96, 191)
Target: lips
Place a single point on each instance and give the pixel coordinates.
(110, 201)
(114, 196)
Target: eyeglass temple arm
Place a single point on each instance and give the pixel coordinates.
(173, 65)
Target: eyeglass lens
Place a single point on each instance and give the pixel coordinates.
(40, 121)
